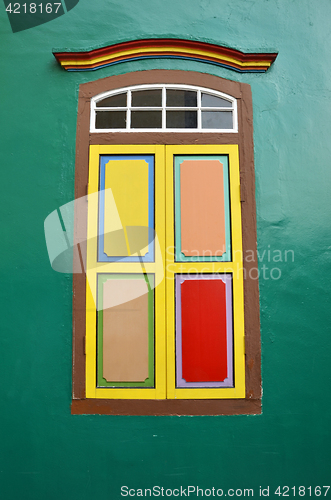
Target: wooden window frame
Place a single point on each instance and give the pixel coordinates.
(251, 404)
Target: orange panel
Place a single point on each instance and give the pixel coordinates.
(202, 208)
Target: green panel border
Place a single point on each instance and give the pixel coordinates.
(179, 256)
(150, 280)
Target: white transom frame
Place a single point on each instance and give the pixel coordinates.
(128, 108)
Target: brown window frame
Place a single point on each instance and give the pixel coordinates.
(244, 139)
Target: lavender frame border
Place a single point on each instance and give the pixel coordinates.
(180, 381)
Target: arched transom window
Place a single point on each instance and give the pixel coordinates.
(164, 108)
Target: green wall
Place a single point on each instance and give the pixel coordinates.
(45, 452)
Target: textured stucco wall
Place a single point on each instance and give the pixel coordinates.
(46, 452)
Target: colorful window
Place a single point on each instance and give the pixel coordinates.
(161, 292)
(171, 323)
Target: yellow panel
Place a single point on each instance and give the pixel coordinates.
(113, 225)
(126, 201)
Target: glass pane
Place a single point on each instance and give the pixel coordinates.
(181, 98)
(217, 119)
(115, 101)
(110, 119)
(211, 101)
(151, 98)
(146, 119)
(181, 119)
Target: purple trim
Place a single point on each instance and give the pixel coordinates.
(227, 279)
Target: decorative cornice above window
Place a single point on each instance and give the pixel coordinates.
(137, 50)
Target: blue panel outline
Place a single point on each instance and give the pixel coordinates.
(104, 159)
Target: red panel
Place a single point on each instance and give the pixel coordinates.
(204, 330)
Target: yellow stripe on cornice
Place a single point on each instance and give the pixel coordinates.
(124, 53)
(165, 48)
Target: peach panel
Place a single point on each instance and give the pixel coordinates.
(202, 208)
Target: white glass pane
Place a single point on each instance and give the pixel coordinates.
(217, 119)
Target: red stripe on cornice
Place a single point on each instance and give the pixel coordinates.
(243, 62)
